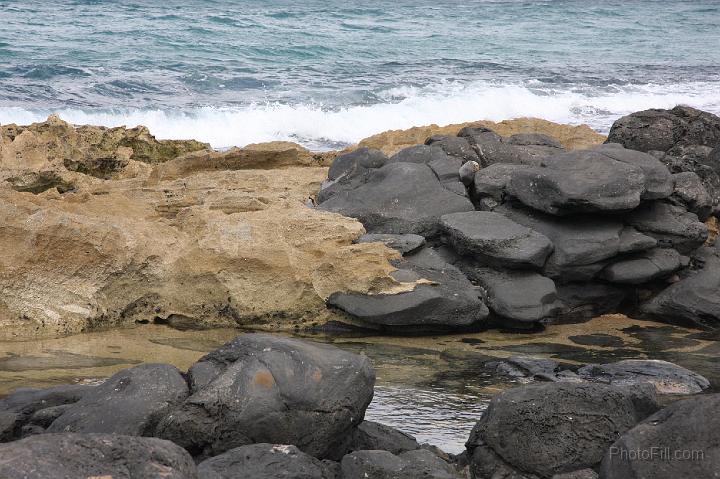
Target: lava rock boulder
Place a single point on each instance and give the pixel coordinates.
(544, 429)
(73, 456)
(260, 388)
(266, 461)
(130, 402)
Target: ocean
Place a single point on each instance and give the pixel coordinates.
(328, 73)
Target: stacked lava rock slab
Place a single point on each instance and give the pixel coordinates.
(520, 230)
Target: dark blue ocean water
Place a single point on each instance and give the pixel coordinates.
(327, 73)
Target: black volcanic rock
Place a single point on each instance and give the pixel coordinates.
(556, 428)
(580, 181)
(689, 428)
(643, 267)
(418, 464)
(523, 296)
(671, 225)
(130, 402)
(693, 300)
(401, 197)
(263, 388)
(73, 456)
(403, 243)
(265, 461)
(666, 130)
(450, 300)
(496, 238)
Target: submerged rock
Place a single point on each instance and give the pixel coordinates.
(668, 378)
(265, 461)
(261, 388)
(72, 456)
(682, 440)
(556, 428)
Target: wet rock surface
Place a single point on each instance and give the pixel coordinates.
(668, 378)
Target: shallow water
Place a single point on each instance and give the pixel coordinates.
(432, 387)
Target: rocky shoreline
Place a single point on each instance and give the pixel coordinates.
(263, 406)
(454, 229)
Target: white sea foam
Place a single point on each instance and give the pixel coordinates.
(319, 127)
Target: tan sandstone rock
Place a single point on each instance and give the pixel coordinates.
(571, 137)
(206, 239)
(93, 150)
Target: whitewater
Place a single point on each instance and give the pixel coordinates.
(318, 127)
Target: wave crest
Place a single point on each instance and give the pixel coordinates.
(319, 127)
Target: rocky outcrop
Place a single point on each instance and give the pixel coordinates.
(175, 233)
(93, 150)
(208, 239)
(548, 234)
(556, 428)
